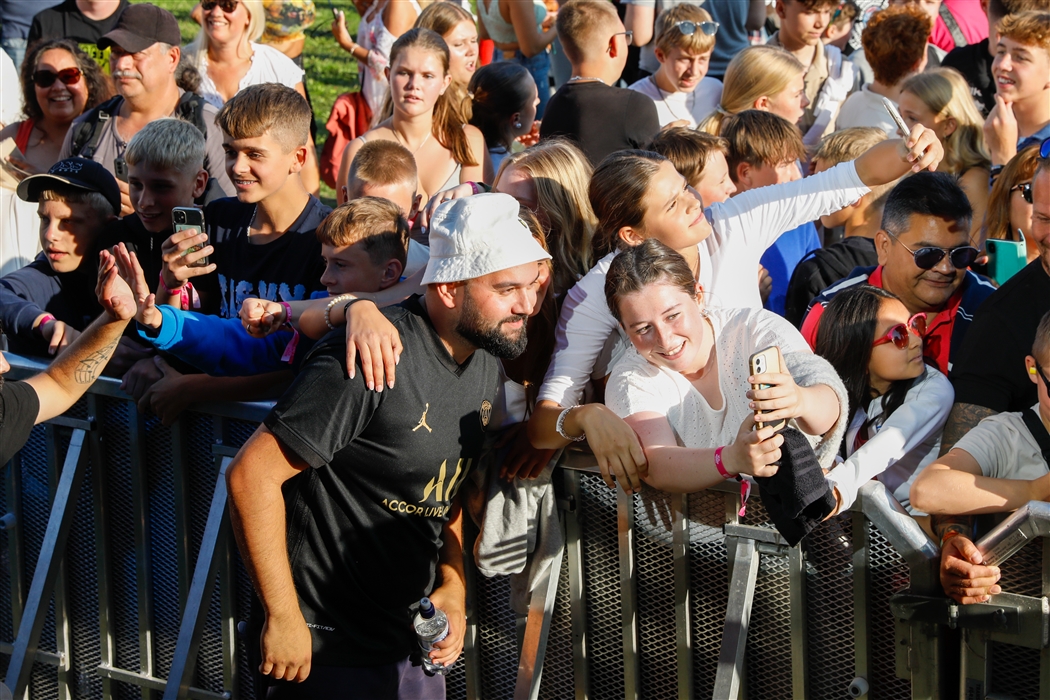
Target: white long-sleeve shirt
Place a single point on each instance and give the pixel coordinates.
(742, 229)
(900, 446)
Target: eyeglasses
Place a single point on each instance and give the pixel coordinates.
(1026, 191)
(898, 335)
(1042, 375)
(628, 35)
(46, 78)
(226, 5)
(927, 258)
(688, 28)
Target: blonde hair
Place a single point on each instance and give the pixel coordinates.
(669, 36)
(581, 26)
(168, 143)
(376, 223)
(267, 108)
(561, 173)
(755, 72)
(849, 144)
(946, 93)
(198, 48)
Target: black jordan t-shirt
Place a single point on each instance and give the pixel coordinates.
(365, 523)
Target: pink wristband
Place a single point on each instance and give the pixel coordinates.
(165, 287)
(287, 312)
(719, 465)
(48, 318)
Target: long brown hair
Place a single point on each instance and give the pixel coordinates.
(617, 193)
(1020, 168)
(443, 17)
(99, 88)
(446, 126)
(650, 262)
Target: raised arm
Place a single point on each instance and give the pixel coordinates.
(531, 40)
(642, 21)
(886, 161)
(257, 515)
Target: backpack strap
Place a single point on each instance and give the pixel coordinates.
(1038, 431)
(953, 27)
(88, 133)
(191, 109)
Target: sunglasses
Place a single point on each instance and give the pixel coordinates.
(688, 28)
(1026, 191)
(226, 5)
(46, 78)
(898, 335)
(1044, 149)
(928, 257)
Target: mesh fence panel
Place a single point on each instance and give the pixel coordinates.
(558, 680)
(887, 574)
(497, 637)
(654, 567)
(1013, 671)
(829, 608)
(708, 586)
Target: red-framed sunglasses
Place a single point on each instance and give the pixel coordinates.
(898, 335)
(46, 78)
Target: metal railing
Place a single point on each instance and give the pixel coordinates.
(122, 581)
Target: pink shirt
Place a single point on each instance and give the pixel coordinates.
(971, 20)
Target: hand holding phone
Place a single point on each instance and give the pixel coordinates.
(766, 361)
(183, 218)
(902, 126)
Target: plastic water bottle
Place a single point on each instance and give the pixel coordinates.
(431, 627)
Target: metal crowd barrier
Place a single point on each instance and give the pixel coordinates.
(118, 578)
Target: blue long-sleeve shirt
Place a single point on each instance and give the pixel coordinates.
(218, 346)
(37, 289)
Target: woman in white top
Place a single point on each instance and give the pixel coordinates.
(229, 58)
(898, 405)
(685, 384)
(638, 196)
(381, 24)
(447, 152)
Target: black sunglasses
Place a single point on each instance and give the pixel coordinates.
(46, 78)
(1026, 191)
(928, 257)
(688, 28)
(226, 5)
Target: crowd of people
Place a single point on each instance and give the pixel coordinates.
(579, 221)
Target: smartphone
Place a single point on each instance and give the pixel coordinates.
(897, 118)
(1006, 258)
(763, 361)
(120, 169)
(183, 218)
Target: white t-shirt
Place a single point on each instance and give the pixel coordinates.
(268, 66)
(865, 108)
(743, 228)
(898, 447)
(1004, 447)
(11, 105)
(636, 386)
(692, 106)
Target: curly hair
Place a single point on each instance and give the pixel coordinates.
(895, 42)
(1032, 28)
(99, 87)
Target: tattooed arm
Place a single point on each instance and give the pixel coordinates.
(69, 376)
(963, 577)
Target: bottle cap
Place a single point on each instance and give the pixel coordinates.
(426, 609)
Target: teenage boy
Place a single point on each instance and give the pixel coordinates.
(830, 78)
(924, 251)
(144, 57)
(701, 160)
(45, 305)
(600, 118)
(684, 96)
(997, 467)
(895, 47)
(974, 61)
(375, 515)
(765, 149)
(1021, 116)
(363, 244)
(260, 244)
(857, 222)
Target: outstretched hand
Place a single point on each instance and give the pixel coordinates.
(112, 290)
(135, 279)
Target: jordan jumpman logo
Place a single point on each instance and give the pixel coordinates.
(423, 421)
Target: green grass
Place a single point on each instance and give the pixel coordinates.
(330, 71)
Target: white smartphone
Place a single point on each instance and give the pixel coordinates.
(897, 118)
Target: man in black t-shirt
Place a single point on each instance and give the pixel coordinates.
(598, 117)
(83, 21)
(369, 521)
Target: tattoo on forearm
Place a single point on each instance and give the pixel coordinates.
(963, 418)
(88, 368)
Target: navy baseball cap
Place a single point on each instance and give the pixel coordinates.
(80, 173)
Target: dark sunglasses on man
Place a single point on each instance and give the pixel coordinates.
(926, 258)
(688, 28)
(46, 78)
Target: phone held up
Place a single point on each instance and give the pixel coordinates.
(763, 361)
(902, 126)
(183, 218)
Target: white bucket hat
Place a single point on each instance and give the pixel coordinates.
(474, 236)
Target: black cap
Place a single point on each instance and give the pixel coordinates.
(80, 173)
(140, 27)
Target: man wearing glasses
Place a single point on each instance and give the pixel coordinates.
(600, 118)
(989, 378)
(924, 251)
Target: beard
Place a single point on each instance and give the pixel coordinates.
(491, 338)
